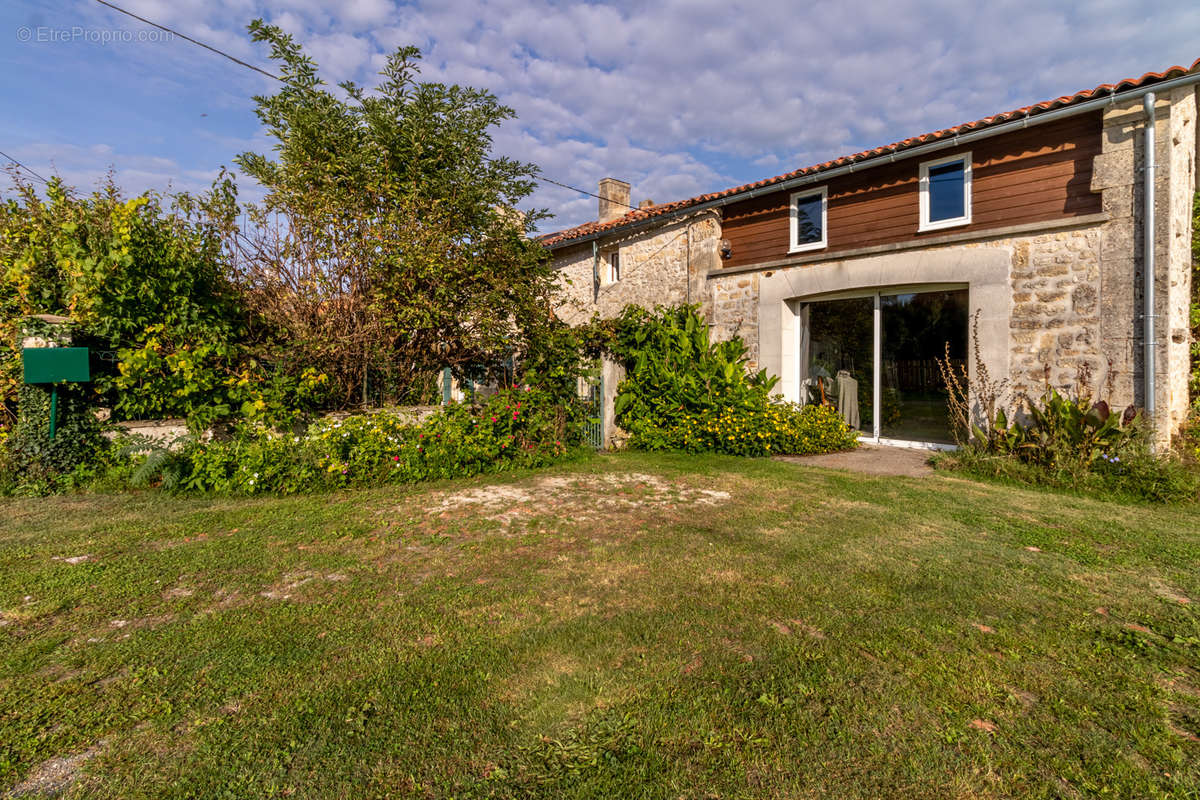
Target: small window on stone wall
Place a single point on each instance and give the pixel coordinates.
(613, 262)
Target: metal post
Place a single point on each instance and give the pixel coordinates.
(603, 409)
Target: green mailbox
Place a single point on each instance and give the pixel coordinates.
(54, 365)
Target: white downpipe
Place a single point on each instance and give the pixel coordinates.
(877, 389)
(1148, 270)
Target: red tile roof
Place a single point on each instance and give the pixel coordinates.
(560, 238)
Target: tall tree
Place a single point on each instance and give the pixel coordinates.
(389, 242)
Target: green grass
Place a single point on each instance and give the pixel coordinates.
(628, 626)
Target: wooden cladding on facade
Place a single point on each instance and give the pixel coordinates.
(1038, 174)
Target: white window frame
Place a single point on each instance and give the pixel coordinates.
(965, 219)
(794, 221)
(612, 276)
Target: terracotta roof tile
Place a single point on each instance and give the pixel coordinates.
(637, 215)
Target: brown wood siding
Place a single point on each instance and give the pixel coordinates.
(1034, 175)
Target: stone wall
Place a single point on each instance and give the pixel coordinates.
(663, 265)
(1055, 322)
(733, 310)
(667, 265)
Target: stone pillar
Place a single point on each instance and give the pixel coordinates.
(1176, 179)
(1118, 174)
(704, 257)
(1114, 176)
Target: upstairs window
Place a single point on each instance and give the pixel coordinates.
(613, 264)
(946, 192)
(808, 220)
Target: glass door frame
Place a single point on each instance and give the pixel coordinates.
(877, 293)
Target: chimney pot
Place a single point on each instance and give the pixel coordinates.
(646, 203)
(614, 199)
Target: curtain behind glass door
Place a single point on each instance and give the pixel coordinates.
(836, 356)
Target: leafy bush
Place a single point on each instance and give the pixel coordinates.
(1135, 474)
(135, 276)
(782, 428)
(1072, 443)
(1061, 432)
(33, 462)
(683, 391)
(512, 429)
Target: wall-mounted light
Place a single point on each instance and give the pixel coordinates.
(726, 248)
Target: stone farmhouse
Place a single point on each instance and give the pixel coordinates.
(1051, 242)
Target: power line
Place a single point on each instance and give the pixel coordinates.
(585, 191)
(196, 42)
(22, 166)
(237, 60)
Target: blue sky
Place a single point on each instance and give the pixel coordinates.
(676, 97)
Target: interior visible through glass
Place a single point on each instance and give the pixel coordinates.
(917, 328)
(837, 350)
(837, 341)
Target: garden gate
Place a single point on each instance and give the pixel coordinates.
(592, 396)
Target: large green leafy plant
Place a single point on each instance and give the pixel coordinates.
(673, 369)
(1061, 431)
(684, 391)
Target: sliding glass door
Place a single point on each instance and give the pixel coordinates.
(891, 340)
(838, 359)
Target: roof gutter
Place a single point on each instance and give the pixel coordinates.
(1030, 119)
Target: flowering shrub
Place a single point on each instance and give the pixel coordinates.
(513, 429)
(779, 429)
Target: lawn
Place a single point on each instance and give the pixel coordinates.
(626, 626)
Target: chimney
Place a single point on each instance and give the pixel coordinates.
(614, 199)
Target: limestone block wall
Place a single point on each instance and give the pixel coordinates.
(1055, 321)
(667, 265)
(733, 311)
(664, 265)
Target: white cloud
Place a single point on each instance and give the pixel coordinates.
(684, 96)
